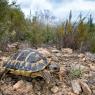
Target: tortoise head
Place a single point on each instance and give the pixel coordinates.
(53, 67)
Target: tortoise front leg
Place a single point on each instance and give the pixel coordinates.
(48, 79)
(47, 76)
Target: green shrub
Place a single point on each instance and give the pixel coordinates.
(75, 73)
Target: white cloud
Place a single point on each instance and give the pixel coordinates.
(59, 9)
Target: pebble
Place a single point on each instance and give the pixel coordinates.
(67, 50)
(76, 87)
(55, 89)
(55, 51)
(18, 85)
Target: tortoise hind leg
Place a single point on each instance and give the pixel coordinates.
(3, 73)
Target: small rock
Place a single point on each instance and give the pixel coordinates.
(92, 67)
(59, 93)
(81, 55)
(70, 93)
(29, 87)
(19, 85)
(93, 92)
(0, 51)
(85, 88)
(8, 79)
(2, 69)
(62, 73)
(76, 62)
(4, 59)
(67, 50)
(76, 87)
(55, 51)
(90, 56)
(78, 66)
(54, 89)
(24, 44)
(84, 59)
(54, 58)
(58, 54)
(44, 51)
(12, 47)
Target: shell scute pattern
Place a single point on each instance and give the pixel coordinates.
(28, 60)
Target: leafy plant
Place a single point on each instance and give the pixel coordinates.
(75, 73)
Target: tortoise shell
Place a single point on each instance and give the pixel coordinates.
(26, 60)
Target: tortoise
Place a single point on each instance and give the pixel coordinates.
(29, 62)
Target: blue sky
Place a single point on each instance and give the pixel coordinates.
(59, 8)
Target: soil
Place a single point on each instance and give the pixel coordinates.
(68, 61)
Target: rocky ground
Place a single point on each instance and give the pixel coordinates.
(76, 76)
